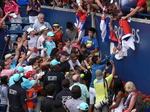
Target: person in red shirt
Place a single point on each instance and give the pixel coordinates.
(141, 6)
(57, 31)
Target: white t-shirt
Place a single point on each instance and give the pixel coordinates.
(40, 42)
(72, 65)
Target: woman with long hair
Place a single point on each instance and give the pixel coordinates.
(118, 96)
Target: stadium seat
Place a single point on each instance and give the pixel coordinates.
(13, 37)
(15, 28)
(25, 20)
(26, 27)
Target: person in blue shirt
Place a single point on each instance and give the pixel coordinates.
(49, 44)
(98, 63)
(90, 42)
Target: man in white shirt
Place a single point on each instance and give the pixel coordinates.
(40, 22)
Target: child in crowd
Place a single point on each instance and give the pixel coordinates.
(77, 43)
(49, 43)
(84, 52)
(60, 45)
(67, 46)
(57, 32)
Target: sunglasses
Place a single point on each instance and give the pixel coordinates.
(74, 59)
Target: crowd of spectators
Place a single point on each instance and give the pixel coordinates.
(44, 73)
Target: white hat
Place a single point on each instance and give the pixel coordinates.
(30, 29)
(43, 28)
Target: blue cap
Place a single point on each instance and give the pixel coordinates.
(83, 106)
(17, 76)
(20, 69)
(50, 34)
(26, 84)
(54, 62)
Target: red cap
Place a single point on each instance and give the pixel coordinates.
(30, 73)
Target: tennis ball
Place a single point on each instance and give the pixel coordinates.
(67, 73)
(81, 75)
(88, 45)
(89, 67)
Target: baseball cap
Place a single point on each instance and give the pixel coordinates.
(17, 76)
(64, 53)
(8, 56)
(30, 73)
(83, 106)
(26, 84)
(99, 74)
(30, 29)
(43, 28)
(50, 34)
(20, 69)
(54, 62)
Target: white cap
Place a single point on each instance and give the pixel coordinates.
(30, 29)
(43, 28)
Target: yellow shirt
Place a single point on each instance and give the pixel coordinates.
(101, 91)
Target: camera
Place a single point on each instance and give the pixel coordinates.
(27, 38)
(100, 104)
(107, 60)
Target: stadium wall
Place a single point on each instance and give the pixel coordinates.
(136, 66)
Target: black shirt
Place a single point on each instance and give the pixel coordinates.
(47, 104)
(17, 96)
(64, 67)
(55, 77)
(64, 95)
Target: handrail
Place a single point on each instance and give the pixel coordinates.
(97, 14)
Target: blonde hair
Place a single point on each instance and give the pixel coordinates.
(130, 87)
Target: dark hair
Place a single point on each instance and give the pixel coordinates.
(32, 61)
(4, 79)
(118, 86)
(115, 13)
(76, 92)
(58, 106)
(19, 36)
(67, 39)
(69, 25)
(54, 53)
(60, 41)
(66, 83)
(92, 29)
(2, 64)
(73, 50)
(82, 46)
(15, 44)
(94, 59)
(50, 89)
